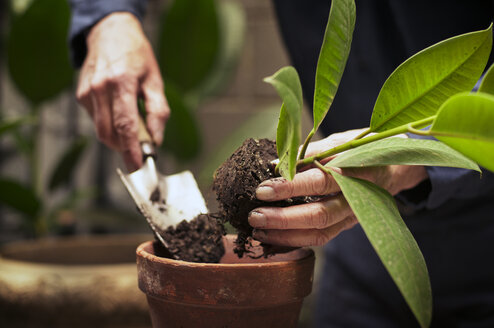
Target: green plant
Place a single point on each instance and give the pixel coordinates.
(430, 89)
(38, 64)
(199, 46)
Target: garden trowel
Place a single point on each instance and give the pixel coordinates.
(163, 200)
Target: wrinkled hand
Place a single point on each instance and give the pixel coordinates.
(317, 223)
(119, 67)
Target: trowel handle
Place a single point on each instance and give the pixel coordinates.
(147, 144)
(143, 133)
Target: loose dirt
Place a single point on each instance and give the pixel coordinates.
(199, 240)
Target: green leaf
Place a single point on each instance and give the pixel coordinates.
(19, 197)
(376, 211)
(401, 151)
(189, 42)
(287, 83)
(487, 84)
(38, 56)
(18, 7)
(333, 56)
(67, 163)
(182, 134)
(465, 123)
(13, 124)
(260, 125)
(418, 87)
(231, 19)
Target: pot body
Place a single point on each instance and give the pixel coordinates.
(72, 282)
(234, 293)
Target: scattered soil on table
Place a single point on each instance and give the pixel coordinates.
(199, 240)
(235, 185)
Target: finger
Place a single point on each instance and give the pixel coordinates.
(103, 120)
(157, 107)
(125, 123)
(308, 183)
(317, 215)
(83, 92)
(304, 237)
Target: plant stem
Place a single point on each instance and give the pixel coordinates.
(35, 166)
(363, 134)
(322, 167)
(419, 132)
(306, 144)
(359, 142)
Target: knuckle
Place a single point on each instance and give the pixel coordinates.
(289, 188)
(350, 223)
(319, 217)
(320, 238)
(162, 114)
(117, 75)
(326, 183)
(98, 84)
(124, 126)
(319, 182)
(82, 94)
(283, 222)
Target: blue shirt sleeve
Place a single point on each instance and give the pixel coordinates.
(446, 183)
(86, 13)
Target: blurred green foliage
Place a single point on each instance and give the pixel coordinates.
(199, 46)
(38, 64)
(37, 52)
(189, 42)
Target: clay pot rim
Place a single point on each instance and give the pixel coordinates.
(141, 251)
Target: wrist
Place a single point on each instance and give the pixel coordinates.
(407, 177)
(113, 21)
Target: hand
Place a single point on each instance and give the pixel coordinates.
(119, 67)
(315, 224)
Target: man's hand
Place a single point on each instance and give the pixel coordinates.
(317, 223)
(120, 66)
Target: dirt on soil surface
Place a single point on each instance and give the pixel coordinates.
(199, 240)
(235, 184)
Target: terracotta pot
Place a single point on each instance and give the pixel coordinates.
(72, 282)
(234, 293)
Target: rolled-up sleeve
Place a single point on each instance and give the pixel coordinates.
(445, 184)
(86, 13)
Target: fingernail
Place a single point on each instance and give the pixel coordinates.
(257, 219)
(259, 235)
(265, 192)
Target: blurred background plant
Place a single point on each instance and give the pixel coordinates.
(54, 177)
(38, 64)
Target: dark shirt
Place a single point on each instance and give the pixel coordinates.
(452, 219)
(451, 215)
(86, 13)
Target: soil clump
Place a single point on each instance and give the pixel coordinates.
(199, 240)
(235, 184)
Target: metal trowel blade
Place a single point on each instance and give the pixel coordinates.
(164, 200)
